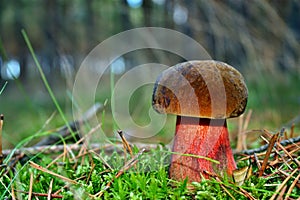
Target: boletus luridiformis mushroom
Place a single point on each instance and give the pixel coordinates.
(203, 94)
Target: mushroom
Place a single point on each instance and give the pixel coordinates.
(203, 94)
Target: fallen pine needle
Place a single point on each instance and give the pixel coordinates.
(127, 165)
(292, 187)
(282, 192)
(224, 188)
(269, 150)
(30, 187)
(102, 159)
(36, 194)
(50, 190)
(289, 155)
(125, 143)
(38, 167)
(283, 184)
(13, 196)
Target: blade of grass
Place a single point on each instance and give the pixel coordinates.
(112, 86)
(193, 155)
(1, 125)
(28, 43)
(3, 87)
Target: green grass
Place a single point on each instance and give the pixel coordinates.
(148, 179)
(3, 87)
(45, 81)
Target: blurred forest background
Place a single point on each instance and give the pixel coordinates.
(260, 38)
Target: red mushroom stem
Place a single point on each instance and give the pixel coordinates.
(201, 137)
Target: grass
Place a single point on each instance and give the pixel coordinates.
(99, 173)
(3, 87)
(147, 178)
(46, 82)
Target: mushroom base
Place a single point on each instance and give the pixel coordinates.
(202, 137)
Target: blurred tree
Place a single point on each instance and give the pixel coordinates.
(239, 32)
(147, 12)
(124, 16)
(20, 51)
(52, 28)
(90, 22)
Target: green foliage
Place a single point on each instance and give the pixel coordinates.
(148, 179)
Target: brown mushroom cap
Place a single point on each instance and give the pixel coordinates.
(204, 89)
